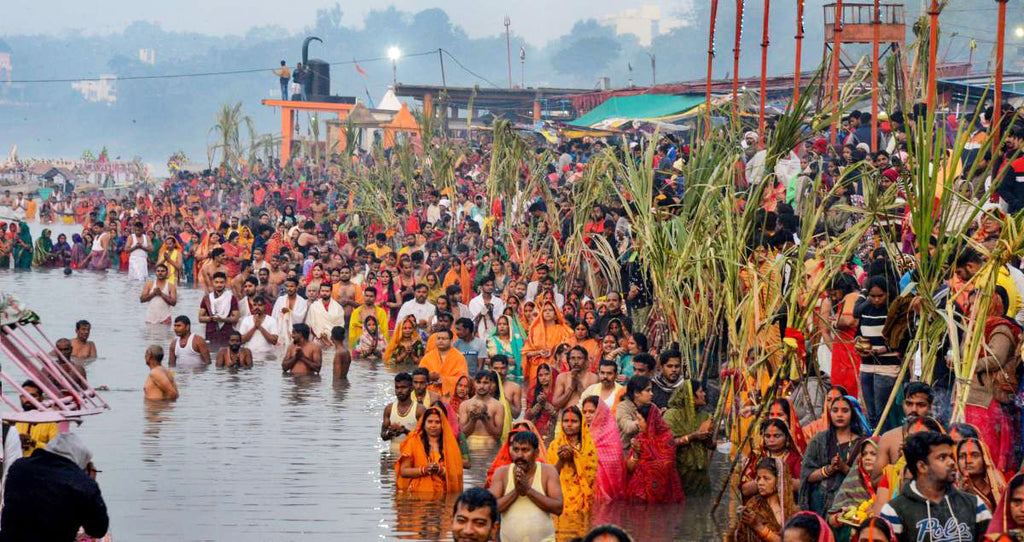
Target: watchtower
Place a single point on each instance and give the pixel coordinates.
(856, 27)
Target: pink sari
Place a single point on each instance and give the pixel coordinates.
(610, 484)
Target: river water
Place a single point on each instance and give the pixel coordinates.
(254, 454)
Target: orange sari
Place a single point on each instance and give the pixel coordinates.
(415, 455)
(542, 336)
(462, 276)
(451, 367)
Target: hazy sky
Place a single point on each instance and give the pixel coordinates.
(537, 20)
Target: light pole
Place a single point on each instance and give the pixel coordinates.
(508, 49)
(654, 79)
(394, 53)
(522, 66)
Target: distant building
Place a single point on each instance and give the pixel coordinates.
(5, 62)
(101, 90)
(147, 56)
(645, 22)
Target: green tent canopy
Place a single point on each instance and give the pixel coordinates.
(639, 107)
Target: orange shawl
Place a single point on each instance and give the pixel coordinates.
(414, 453)
(462, 276)
(450, 367)
(544, 337)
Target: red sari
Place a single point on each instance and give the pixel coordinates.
(655, 479)
(845, 359)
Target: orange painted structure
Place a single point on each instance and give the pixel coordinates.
(288, 109)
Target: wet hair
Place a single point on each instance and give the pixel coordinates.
(183, 319)
(82, 323)
(806, 522)
(915, 388)
(220, 275)
(337, 334)
(917, 447)
(478, 497)
(301, 329)
(420, 371)
(636, 385)
(403, 377)
(525, 437)
(607, 530)
(293, 280)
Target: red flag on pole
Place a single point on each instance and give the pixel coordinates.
(359, 69)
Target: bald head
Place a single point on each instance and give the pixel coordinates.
(155, 354)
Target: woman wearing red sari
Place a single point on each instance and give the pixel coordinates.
(844, 294)
(651, 462)
(538, 407)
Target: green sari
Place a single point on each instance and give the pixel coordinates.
(42, 254)
(513, 350)
(691, 459)
(23, 253)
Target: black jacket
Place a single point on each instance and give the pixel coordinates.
(959, 517)
(47, 497)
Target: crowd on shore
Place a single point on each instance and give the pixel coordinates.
(557, 382)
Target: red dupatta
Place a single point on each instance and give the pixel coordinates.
(655, 479)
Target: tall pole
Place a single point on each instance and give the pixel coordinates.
(711, 56)
(444, 82)
(933, 38)
(522, 66)
(764, 75)
(736, 62)
(394, 74)
(508, 49)
(654, 71)
(837, 42)
(799, 47)
(876, 25)
(997, 112)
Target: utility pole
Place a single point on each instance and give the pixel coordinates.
(508, 49)
(440, 56)
(654, 78)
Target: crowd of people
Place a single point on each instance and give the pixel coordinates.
(557, 382)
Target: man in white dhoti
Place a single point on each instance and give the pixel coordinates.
(259, 332)
(325, 314)
(159, 296)
(138, 247)
(289, 309)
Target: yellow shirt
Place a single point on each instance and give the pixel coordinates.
(42, 433)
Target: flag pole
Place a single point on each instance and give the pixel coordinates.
(876, 26)
(736, 62)
(711, 56)
(764, 75)
(799, 46)
(933, 38)
(837, 42)
(997, 112)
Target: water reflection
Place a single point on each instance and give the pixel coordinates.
(254, 454)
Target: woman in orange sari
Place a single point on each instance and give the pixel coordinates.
(431, 461)
(545, 334)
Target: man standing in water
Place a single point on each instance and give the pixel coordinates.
(400, 417)
(419, 308)
(528, 493)
(235, 355)
(138, 248)
(303, 356)
(259, 333)
(324, 314)
(420, 391)
(513, 393)
(289, 309)
(160, 385)
(569, 386)
(188, 349)
(82, 349)
(159, 295)
(219, 311)
(482, 417)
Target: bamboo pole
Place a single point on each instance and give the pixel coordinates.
(764, 75)
(876, 23)
(1000, 45)
(736, 62)
(837, 41)
(933, 38)
(799, 46)
(711, 56)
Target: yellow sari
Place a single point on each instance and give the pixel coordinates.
(578, 483)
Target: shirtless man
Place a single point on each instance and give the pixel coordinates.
(303, 357)
(420, 388)
(342, 357)
(345, 291)
(397, 421)
(917, 401)
(213, 266)
(235, 355)
(82, 349)
(158, 311)
(237, 282)
(277, 275)
(569, 386)
(189, 349)
(513, 393)
(160, 385)
(482, 417)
